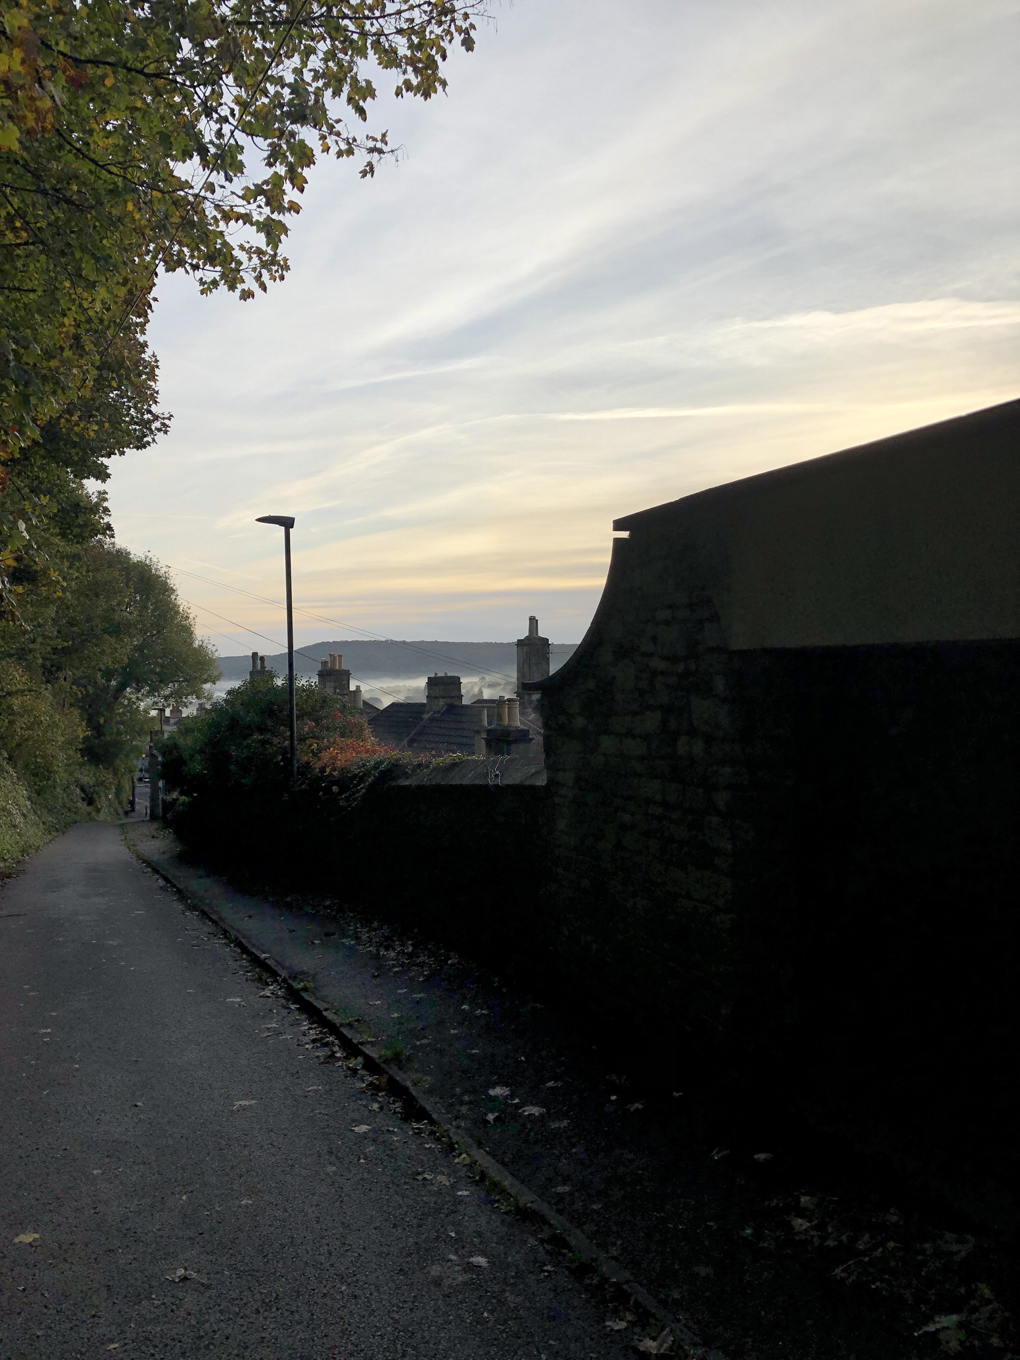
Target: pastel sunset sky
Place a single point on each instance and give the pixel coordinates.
(637, 250)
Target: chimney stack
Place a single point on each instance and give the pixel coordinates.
(532, 663)
(441, 690)
(334, 678)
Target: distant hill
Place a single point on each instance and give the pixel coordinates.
(399, 660)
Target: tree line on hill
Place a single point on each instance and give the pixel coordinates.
(370, 659)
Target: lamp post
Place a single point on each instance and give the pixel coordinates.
(286, 523)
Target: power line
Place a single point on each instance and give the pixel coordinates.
(396, 642)
(307, 655)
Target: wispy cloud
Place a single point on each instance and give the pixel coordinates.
(789, 229)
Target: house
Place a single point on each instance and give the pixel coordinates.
(507, 729)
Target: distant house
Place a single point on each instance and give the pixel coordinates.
(507, 729)
(335, 678)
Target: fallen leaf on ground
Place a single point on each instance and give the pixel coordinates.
(533, 1109)
(559, 1123)
(27, 1237)
(425, 1176)
(463, 1159)
(362, 1128)
(660, 1346)
(499, 1091)
(463, 1192)
(491, 1118)
(617, 1324)
(241, 1104)
(763, 1156)
(719, 1152)
(443, 1180)
(802, 1227)
(181, 1274)
(478, 1261)
(638, 1105)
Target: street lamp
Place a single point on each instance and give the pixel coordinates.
(286, 523)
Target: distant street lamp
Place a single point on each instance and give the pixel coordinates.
(286, 523)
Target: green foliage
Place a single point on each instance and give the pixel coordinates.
(80, 672)
(136, 136)
(21, 828)
(229, 767)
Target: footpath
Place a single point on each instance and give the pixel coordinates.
(191, 1168)
(728, 1250)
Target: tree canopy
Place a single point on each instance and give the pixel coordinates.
(139, 136)
(173, 134)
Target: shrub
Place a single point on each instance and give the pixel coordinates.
(228, 769)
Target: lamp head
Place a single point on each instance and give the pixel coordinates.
(284, 521)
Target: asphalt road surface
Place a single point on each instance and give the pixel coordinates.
(184, 1172)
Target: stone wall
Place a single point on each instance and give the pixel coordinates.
(668, 785)
(793, 868)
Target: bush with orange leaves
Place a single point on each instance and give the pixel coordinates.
(336, 742)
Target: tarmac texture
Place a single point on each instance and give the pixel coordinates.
(190, 1170)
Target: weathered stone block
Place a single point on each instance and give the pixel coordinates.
(711, 716)
(691, 748)
(726, 776)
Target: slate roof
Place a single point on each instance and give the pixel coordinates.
(447, 731)
(497, 772)
(393, 724)
(450, 731)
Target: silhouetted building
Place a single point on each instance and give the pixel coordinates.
(335, 678)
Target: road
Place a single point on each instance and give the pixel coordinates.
(186, 1172)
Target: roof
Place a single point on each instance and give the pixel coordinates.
(446, 731)
(393, 724)
(910, 539)
(977, 426)
(493, 772)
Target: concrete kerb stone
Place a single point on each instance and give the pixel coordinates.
(525, 1200)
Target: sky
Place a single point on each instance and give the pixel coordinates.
(637, 250)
